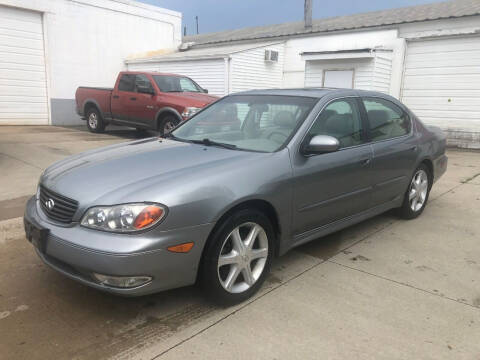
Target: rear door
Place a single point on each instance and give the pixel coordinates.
(123, 98)
(394, 148)
(144, 109)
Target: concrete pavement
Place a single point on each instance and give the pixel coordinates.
(385, 288)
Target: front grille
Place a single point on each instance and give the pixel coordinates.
(63, 208)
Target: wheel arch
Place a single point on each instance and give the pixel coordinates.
(89, 103)
(258, 204)
(164, 112)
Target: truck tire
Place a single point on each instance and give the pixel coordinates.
(167, 124)
(95, 121)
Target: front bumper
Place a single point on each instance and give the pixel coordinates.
(145, 254)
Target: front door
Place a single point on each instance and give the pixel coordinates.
(333, 186)
(394, 149)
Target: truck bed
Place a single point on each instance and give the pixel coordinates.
(100, 96)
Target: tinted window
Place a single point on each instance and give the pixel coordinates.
(386, 119)
(168, 83)
(127, 82)
(257, 123)
(143, 81)
(340, 119)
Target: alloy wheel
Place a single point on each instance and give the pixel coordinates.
(169, 125)
(418, 190)
(242, 257)
(93, 120)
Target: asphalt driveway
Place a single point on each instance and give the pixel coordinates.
(386, 288)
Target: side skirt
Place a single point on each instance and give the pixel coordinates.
(342, 223)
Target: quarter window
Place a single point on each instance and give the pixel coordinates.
(340, 119)
(127, 83)
(386, 120)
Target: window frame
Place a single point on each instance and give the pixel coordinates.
(120, 80)
(364, 134)
(149, 80)
(367, 121)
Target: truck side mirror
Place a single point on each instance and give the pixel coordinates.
(205, 91)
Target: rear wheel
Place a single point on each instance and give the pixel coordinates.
(167, 124)
(417, 194)
(95, 122)
(238, 257)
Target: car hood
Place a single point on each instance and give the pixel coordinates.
(129, 171)
(200, 99)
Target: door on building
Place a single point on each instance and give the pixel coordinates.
(441, 82)
(338, 79)
(23, 84)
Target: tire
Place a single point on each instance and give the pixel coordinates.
(416, 196)
(95, 121)
(251, 266)
(167, 124)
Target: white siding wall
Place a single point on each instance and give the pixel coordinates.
(363, 71)
(442, 82)
(23, 83)
(249, 70)
(209, 74)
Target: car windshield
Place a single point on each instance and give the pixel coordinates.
(176, 84)
(256, 123)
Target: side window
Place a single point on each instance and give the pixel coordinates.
(386, 119)
(187, 85)
(127, 83)
(340, 119)
(142, 80)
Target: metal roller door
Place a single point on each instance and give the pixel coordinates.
(442, 82)
(23, 88)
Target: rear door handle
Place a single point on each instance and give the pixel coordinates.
(365, 162)
(115, 96)
(414, 148)
(133, 98)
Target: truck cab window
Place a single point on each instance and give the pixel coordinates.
(127, 83)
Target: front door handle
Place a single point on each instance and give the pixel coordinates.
(365, 162)
(115, 96)
(133, 98)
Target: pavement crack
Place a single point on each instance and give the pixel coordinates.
(402, 283)
(22, 161)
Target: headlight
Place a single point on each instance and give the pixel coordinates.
(190, 111)
(123, 218)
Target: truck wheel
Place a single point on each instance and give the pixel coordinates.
(95, 122)
(167, 124)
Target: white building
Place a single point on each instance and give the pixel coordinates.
(428, 56)
(50, 47)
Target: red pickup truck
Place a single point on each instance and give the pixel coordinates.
(144, 100)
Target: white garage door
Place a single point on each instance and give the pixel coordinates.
(442, 82)
(209, 74)
(23, 94)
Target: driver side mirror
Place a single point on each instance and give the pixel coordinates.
(145, 90)
(205, 91)
(320, 144)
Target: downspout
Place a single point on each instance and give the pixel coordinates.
(227, 75)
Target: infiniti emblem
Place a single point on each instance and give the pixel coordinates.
(50, 204)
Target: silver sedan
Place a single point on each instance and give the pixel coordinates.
(246, 179)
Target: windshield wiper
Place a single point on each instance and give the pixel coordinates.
(208, 142)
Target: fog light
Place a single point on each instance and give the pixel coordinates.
(122, 281)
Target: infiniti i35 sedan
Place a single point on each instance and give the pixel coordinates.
(216, 203)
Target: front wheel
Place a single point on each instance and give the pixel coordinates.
(168, 123)
(416, 196)
(95, 122)
(238, 257)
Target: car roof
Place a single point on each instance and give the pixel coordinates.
(315, 92)
(152, 73)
